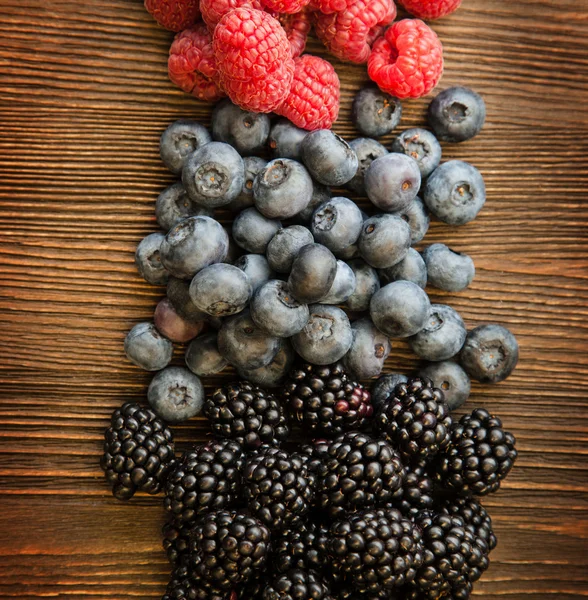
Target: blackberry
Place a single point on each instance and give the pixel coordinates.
(355, 472)
(206, 478)
(417, 489)
(475, 517)
(303, 547)
(247, 414)
(416, 419)
(227, 548)
(452, 559)
(176, 540)
(277, 487)
(297, 584)
(376, 550)
(480, 455)
(138, 451)
(183, 587)
(324, 401)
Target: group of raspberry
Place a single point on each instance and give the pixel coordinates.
(251, 51)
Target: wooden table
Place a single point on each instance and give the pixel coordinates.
(84, 96)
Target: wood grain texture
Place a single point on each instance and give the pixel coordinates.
(84, 96)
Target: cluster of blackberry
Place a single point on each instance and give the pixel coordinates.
(379, 507)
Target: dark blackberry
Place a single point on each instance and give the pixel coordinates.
(227, 549)
(452, 558)
(206, 478)
(138, 451)
(417, 489)
(475, 517)
(176, 540)
(480, 455)
(376, 550)
(415, 419)
(297, 584)
(247, 414)
(183, 586)
(304, 547)
(325, 401)
(355, 472)
(278, 487)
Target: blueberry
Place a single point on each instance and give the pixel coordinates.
(367, 283)
(490, 353)
(234, 251)
(457, 114)
(384, 386)
(193, 244)
(172, 325)
(369, 350)
(257, 269)
(328, 157)
(449, 377)
(448, 270)
(179, 140)
(320, 193)
(246, 131)
(253, 232)
(442, 336)
(148, 259)
(367, 151)
(174, 205)
(411, 268)
(244, 344)
(252, 165)
(349, 253)
(202, 356)
(375, 113)
(214, 175)
(276, 311)
(285, 245)
(147, 348)
(313, 272)
(274, 374)
(327, 336)
(336, 224)
(417, 217)
(343, 285)
(384, 240)
(400, 309)
(282, 189)
(178, 293)
(220, 290)
(455, 192)
(392, 182)
(421, 145)
(285, 140)
(176, 394)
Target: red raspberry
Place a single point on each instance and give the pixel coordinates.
(297, 28)
(174, 15)
(348, 34)
(430, 9)
(214, 10)
(408, 61)
(331, 6)
(253, 58)
(313, 102)
(191, 64)
(285, 6)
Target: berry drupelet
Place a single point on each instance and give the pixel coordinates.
(417, 489)
(278, 487)
(206, 478)
(183, 586)
(303, 547)
(247, 414)
(475, 517)
(416, 419)
(297, 584)
(176, 540)
(324, 401)
(138, 451)
(480, 455)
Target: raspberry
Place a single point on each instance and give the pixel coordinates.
(430, 9)
(191, 65)
(214, 10)
(174, 15)
(254, 59)
(331, 6)
(313, 102)
(297, 28)
(408, 61)
(285, 6)
(348, 34)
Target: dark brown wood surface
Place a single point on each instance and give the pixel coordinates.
(84, 96)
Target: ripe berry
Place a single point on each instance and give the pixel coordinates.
(457, 114)
(313, 272)
(173, 205)
(256, 267)
(384, 240)
(375, 113)
(430, 9)
(442, 336)
(451, 378)
(367, 283)
(273, 374)
(175, 15)
(329, 158)
(336, 224)
(411, 268)
(148, 259)
(214, 10)
(179, 140)
(421, 145)
(176, 394)
(367, 151)
(297, 27)
(252, 231)
(172, 325)
(147, 348)
(343, 285)
(448, 270)
(285, 6)
(285, 246)
(369, 350)
(202, 356)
